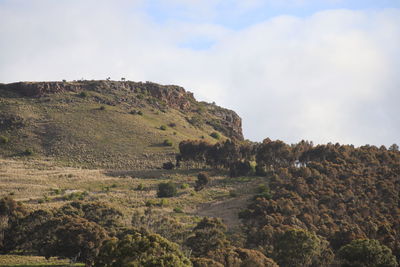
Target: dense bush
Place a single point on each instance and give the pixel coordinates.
(141, 249)
(167, 142)
(168, 165)
(366, 252)
(215, 135)
(239, 257)
(208, 235)
(167, 190)
(202, 180)
(160, 223)
(4, 139)
(70, 237)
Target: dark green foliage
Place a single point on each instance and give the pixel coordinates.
(167, 142)
(296, 248)
(28, 152)
(168, 165)
(240, 257)
(178, 210)
(23, 236)
(205, 262)
(163, 127)
(4, 139)
(263, 191)
(11, 213)
(141, 249)
(140, 187)
(160, 223)
(83, 94)
(70, 237)
(366, 253)
(167, 190)
(102, 107)
(208, 235)
(202, 180)
(215, 135)
(272, 154)
(196, 121)
(218, 155)
(240, 168)
(98, 212)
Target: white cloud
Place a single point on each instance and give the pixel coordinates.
(328, 77)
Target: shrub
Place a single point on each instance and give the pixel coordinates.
(167, 142)
(184, 186)
(208, 235)
(202, 181)
(234, 256)
(141, 249)
(83, 94)
(215, 135)
(163, 127)
(28, 152)
(233, 193)
(240, 168)
(296, 248)
(166, 190)
(366, 252)
(140, 187)
(196, 121)
(68, 237)
(178, 210)
(102, 107)
(168, 165)
(140, 113)
(172, 124)
(4, 139)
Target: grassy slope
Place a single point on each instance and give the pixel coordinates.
(28, 261)
(76, 132)
(43, 184)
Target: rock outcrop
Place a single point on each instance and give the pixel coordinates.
(171, 96)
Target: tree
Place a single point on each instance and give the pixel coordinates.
(296, 248)
(166, 190)
(160, 223)
(202, 181)
(11, 212)
(98, 212)
(70, 237)
(240, 257)
(366, 253)
(135, 248)
(208, 235)
(394, 147)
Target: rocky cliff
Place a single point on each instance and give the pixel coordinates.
(166, 96)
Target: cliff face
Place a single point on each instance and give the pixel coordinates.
(171, 96)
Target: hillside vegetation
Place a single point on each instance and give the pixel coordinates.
(106, 124)
(169, 181)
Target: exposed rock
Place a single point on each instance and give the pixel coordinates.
(171, 96)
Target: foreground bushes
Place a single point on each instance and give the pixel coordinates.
(136, 248)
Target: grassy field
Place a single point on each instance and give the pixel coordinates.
(28, 261)
(44, 184)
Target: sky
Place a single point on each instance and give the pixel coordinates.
(319, 70)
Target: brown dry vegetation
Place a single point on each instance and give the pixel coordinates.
(44, 184)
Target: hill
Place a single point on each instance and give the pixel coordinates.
(106, 124)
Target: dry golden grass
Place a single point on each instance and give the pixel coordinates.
(18, 260)
(44, 184)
